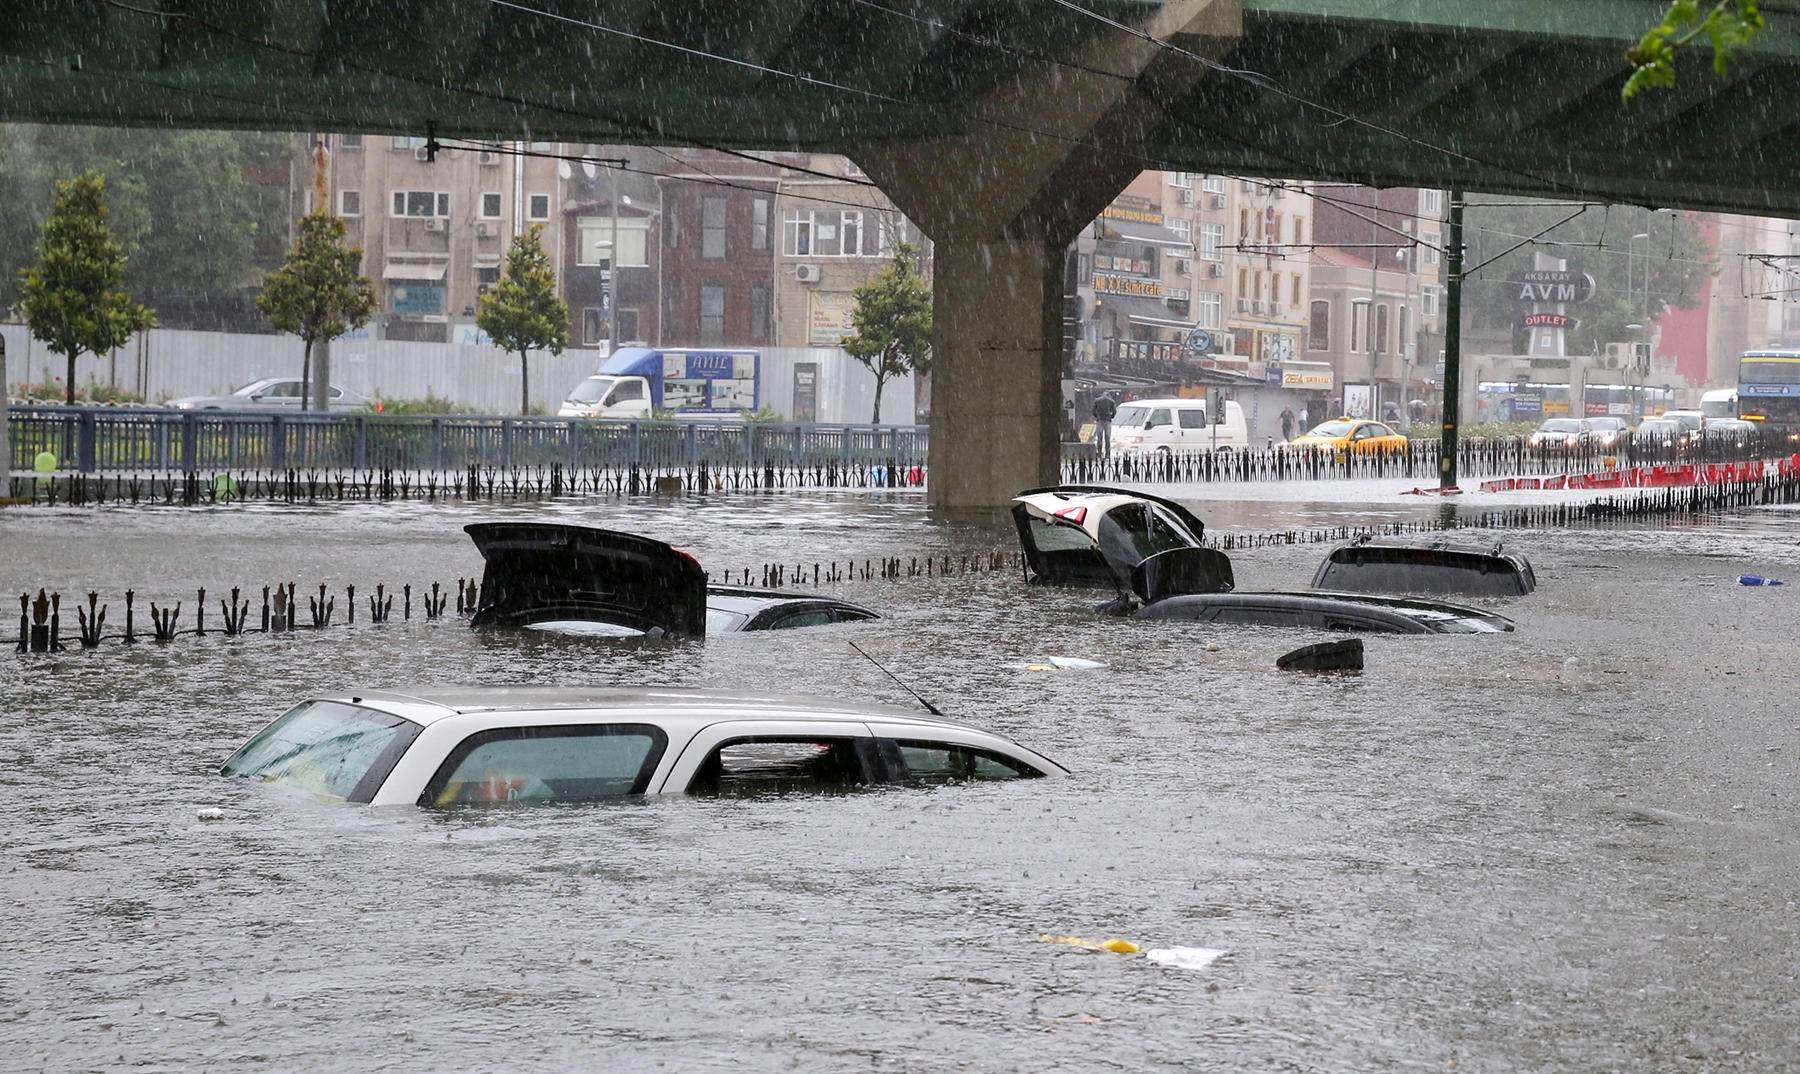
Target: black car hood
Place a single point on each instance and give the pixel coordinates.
(1431, 566)
(537, 572)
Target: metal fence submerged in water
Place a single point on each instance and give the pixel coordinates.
(159, 440)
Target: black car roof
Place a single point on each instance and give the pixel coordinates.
(748, 600)
(1407, 613)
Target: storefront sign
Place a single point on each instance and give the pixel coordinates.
(1552, 285)
(418, 298)
(1108, 284)
(829, 317)
(1136, 210)
(1548, 320)
(1306, 380)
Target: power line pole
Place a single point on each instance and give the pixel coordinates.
(1452, 341)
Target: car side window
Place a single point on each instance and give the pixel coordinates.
(1378, 429)
(765, 765)
(281, 389)
(567, 763)
(337, 392)
(1159, 416)
(814, 617)
(1362, 433)
(933, 763)
(1192, 418)
(627, 391)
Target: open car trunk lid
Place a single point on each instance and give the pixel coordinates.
(1134, 542)
(539, 572)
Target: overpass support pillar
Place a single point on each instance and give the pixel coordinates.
(1001, 201)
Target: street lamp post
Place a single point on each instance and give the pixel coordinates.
(1643, 319)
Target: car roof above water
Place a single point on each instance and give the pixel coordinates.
(428, 705)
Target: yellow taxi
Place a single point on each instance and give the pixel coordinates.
(1352, 436)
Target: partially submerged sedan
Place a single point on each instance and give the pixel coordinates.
(1435, 565)
(589, 581)
(484, 746)
(1148, 550)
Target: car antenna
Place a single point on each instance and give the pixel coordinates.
(929, 707)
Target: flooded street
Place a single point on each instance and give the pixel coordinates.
(1568, 848)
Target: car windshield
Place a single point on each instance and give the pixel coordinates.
(334, 751)
(719, 621)
(1131, 416)
(1331, 429)
(591, 390)
(1560, 425)
(585, 628)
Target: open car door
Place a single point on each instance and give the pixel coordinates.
(542, 572)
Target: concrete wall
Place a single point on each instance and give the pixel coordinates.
(166, 363)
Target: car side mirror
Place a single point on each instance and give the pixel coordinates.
(256, 398)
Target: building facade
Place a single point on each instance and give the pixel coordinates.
(836, 235)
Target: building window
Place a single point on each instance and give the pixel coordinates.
(1184, 180)
(401, 141)
(1318, 327)
(1243, 225)
(671, 225)
(1207, 308)
(1429, 307)
(1432, 240)
(712, 314)
(628, 326)
(350, 141)
(1243, 291)
(1299, 229)
(421, 203)
(759, 223)
(1381, 329)
(759, 312)
(1359, 324)
(1213, 184)
(490, 205)
(1256, 288)
(1295, 291)
(488, 274)
(596, 233)
(1401, 344)
(541, 147)
(537, 207)
(712, 228)
(1211, 237)
(1181, 226)
(349, 203)
(830, 233)
(593, 325)
(1431, 202)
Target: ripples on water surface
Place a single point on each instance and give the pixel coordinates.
(1567, 848)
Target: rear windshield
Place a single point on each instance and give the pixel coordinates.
(336, 752)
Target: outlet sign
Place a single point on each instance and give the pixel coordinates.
(1549, 320)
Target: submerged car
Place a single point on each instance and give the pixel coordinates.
(269, 393)
(1329, 611)
(1434, 565)
(585, 580)
(1148, 551)
(484, 746)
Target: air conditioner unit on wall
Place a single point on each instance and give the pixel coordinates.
(1184, 197)
(487, 157)
(1243, 305)
(434, 223)
(484, 229)
(421, 153)
(1215, 270)
(1183, 268)
(482, 288)
(808, 273)
(1218, 201)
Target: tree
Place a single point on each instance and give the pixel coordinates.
(893, 322)
(72, 298)
(521, 313)
(318, 293)
(1634, 279)
(1729, 25)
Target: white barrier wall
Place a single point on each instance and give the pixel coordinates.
(166, 363)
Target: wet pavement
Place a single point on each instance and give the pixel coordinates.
(1568, 848)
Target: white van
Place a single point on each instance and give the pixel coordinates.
(1719, 403)
(1165, 425)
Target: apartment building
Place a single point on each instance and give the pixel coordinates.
(837, 233)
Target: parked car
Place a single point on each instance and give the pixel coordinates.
(270, 393)
(1329, 611)
(1561, 436)
(1609, 434)
(1166, 425)
(1691, 421)
(1728, 439)
(482, 746)
(1434, 565)
(1351, 436)
(1148, 551)
(1658, 439)
(589, 581)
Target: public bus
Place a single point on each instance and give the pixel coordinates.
(1769, 391)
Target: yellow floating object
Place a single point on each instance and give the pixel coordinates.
(1122, 947)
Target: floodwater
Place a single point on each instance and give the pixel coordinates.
(1570, 848)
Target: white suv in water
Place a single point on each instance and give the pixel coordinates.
(486, 746)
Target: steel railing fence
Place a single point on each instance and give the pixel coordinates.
(155, 439)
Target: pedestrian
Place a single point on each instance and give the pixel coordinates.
(1287, 424)
(1303, 425)
(1104, 409)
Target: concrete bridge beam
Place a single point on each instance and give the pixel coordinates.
(1001, 201)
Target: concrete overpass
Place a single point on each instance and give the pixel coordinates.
(1000, 126)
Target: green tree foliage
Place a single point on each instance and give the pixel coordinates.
(893, 322)
(1633, 278)
(521, 313)
(319, 293)
(1728, 24)
(197, 213)
(73, 300)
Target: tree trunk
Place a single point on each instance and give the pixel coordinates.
(880, 379)
(70, 386)
(306, 376)
(524, 382)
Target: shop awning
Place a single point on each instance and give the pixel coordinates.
(1139, 309)
(1139, 231)
(414, 270)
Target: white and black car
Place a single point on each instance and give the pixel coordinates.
(486, 746)
(584, 580)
